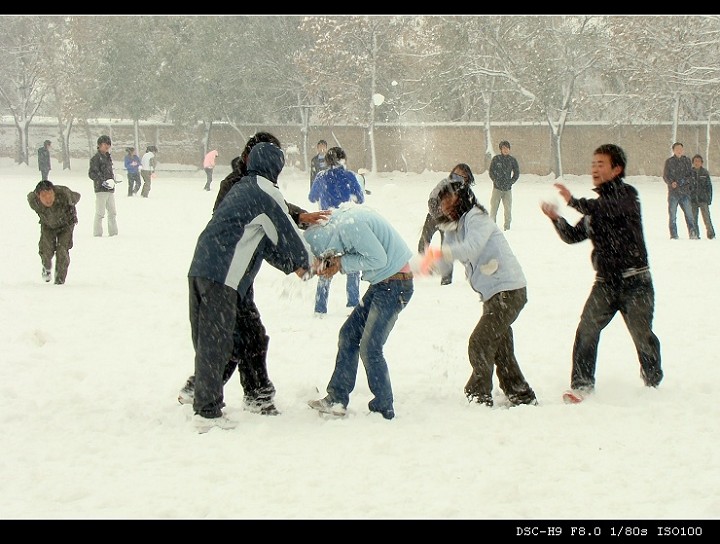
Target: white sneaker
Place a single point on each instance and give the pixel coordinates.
(204, 424)
(324, 406)
(46, 272)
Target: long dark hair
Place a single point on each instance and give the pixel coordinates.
(466, 199)
(252, 142)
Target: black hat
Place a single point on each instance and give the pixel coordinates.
(104, 139)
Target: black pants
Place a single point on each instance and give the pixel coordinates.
(491, 347)
(227, 333)
(634, 298)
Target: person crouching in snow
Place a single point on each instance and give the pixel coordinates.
(473, 238)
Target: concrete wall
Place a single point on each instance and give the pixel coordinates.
(413, 148)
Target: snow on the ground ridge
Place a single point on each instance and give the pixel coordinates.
(90, 373)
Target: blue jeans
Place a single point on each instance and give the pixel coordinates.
(352, 288)
(363, 336)
(676, 198)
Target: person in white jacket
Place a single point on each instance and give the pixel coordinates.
(473, 238)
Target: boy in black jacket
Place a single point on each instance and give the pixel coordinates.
(613, 223)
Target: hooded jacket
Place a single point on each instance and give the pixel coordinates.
(250, 225)
(334, 186)
(613, 222)
(366, 241)
(477, 242)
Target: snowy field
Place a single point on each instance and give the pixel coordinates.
(90, 373)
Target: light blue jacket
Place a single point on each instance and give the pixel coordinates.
(366, 240)
(490, 265)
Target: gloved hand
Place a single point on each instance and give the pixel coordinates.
(109, 184)
(327, 267)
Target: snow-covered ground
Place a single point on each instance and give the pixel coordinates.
(90, 372)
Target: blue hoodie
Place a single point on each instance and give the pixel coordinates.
(334, 186)
(250, 225)
(366, 240)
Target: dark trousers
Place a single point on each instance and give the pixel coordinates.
(634, 298)
(247, 349)
(44, 173)
(491, 346)
(134, 182)
(208, 174)
(56, 243)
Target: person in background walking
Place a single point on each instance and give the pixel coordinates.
(460, 172)
(44, 159)
(613, 223)
(677, 174)
(702, 196)
(147, 165)
(494, 272)
(317, 164)
(132, 165)
(103, 177)
(504, 171)
(332, 187)
(209, 166)
(55, 205)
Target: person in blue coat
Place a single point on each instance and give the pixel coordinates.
(132, 165)
(359, 239)
(333, 187)
(251, 225)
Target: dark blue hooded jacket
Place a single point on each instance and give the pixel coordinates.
(250, 225)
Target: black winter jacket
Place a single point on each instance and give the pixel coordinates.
(701, 186)
(504, 171)
(101, 169)
(613, 222)
(678, 169)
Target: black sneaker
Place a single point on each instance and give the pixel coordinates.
(445, 281)
(487, 400)
(528, 398)
(260, 406)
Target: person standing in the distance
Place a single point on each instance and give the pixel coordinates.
(132, 165)
(460, 172)
(43, 154)
(103, 177)
(147, 169)
(677, 174)
(318, 164)
(702, 196)
(494, 272)
(359, 239)
(209, 166)
(613, 223)
(504, 171)
(250, 226)
(332, 187)
(55, 205)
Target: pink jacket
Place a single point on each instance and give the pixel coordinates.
(209, 161)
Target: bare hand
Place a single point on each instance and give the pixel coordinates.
(312, 218)
(327, 267)
(550, 209)
(564, 191)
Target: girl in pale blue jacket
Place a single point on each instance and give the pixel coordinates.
(473, 238)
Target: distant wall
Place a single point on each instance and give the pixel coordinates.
(412, 148)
